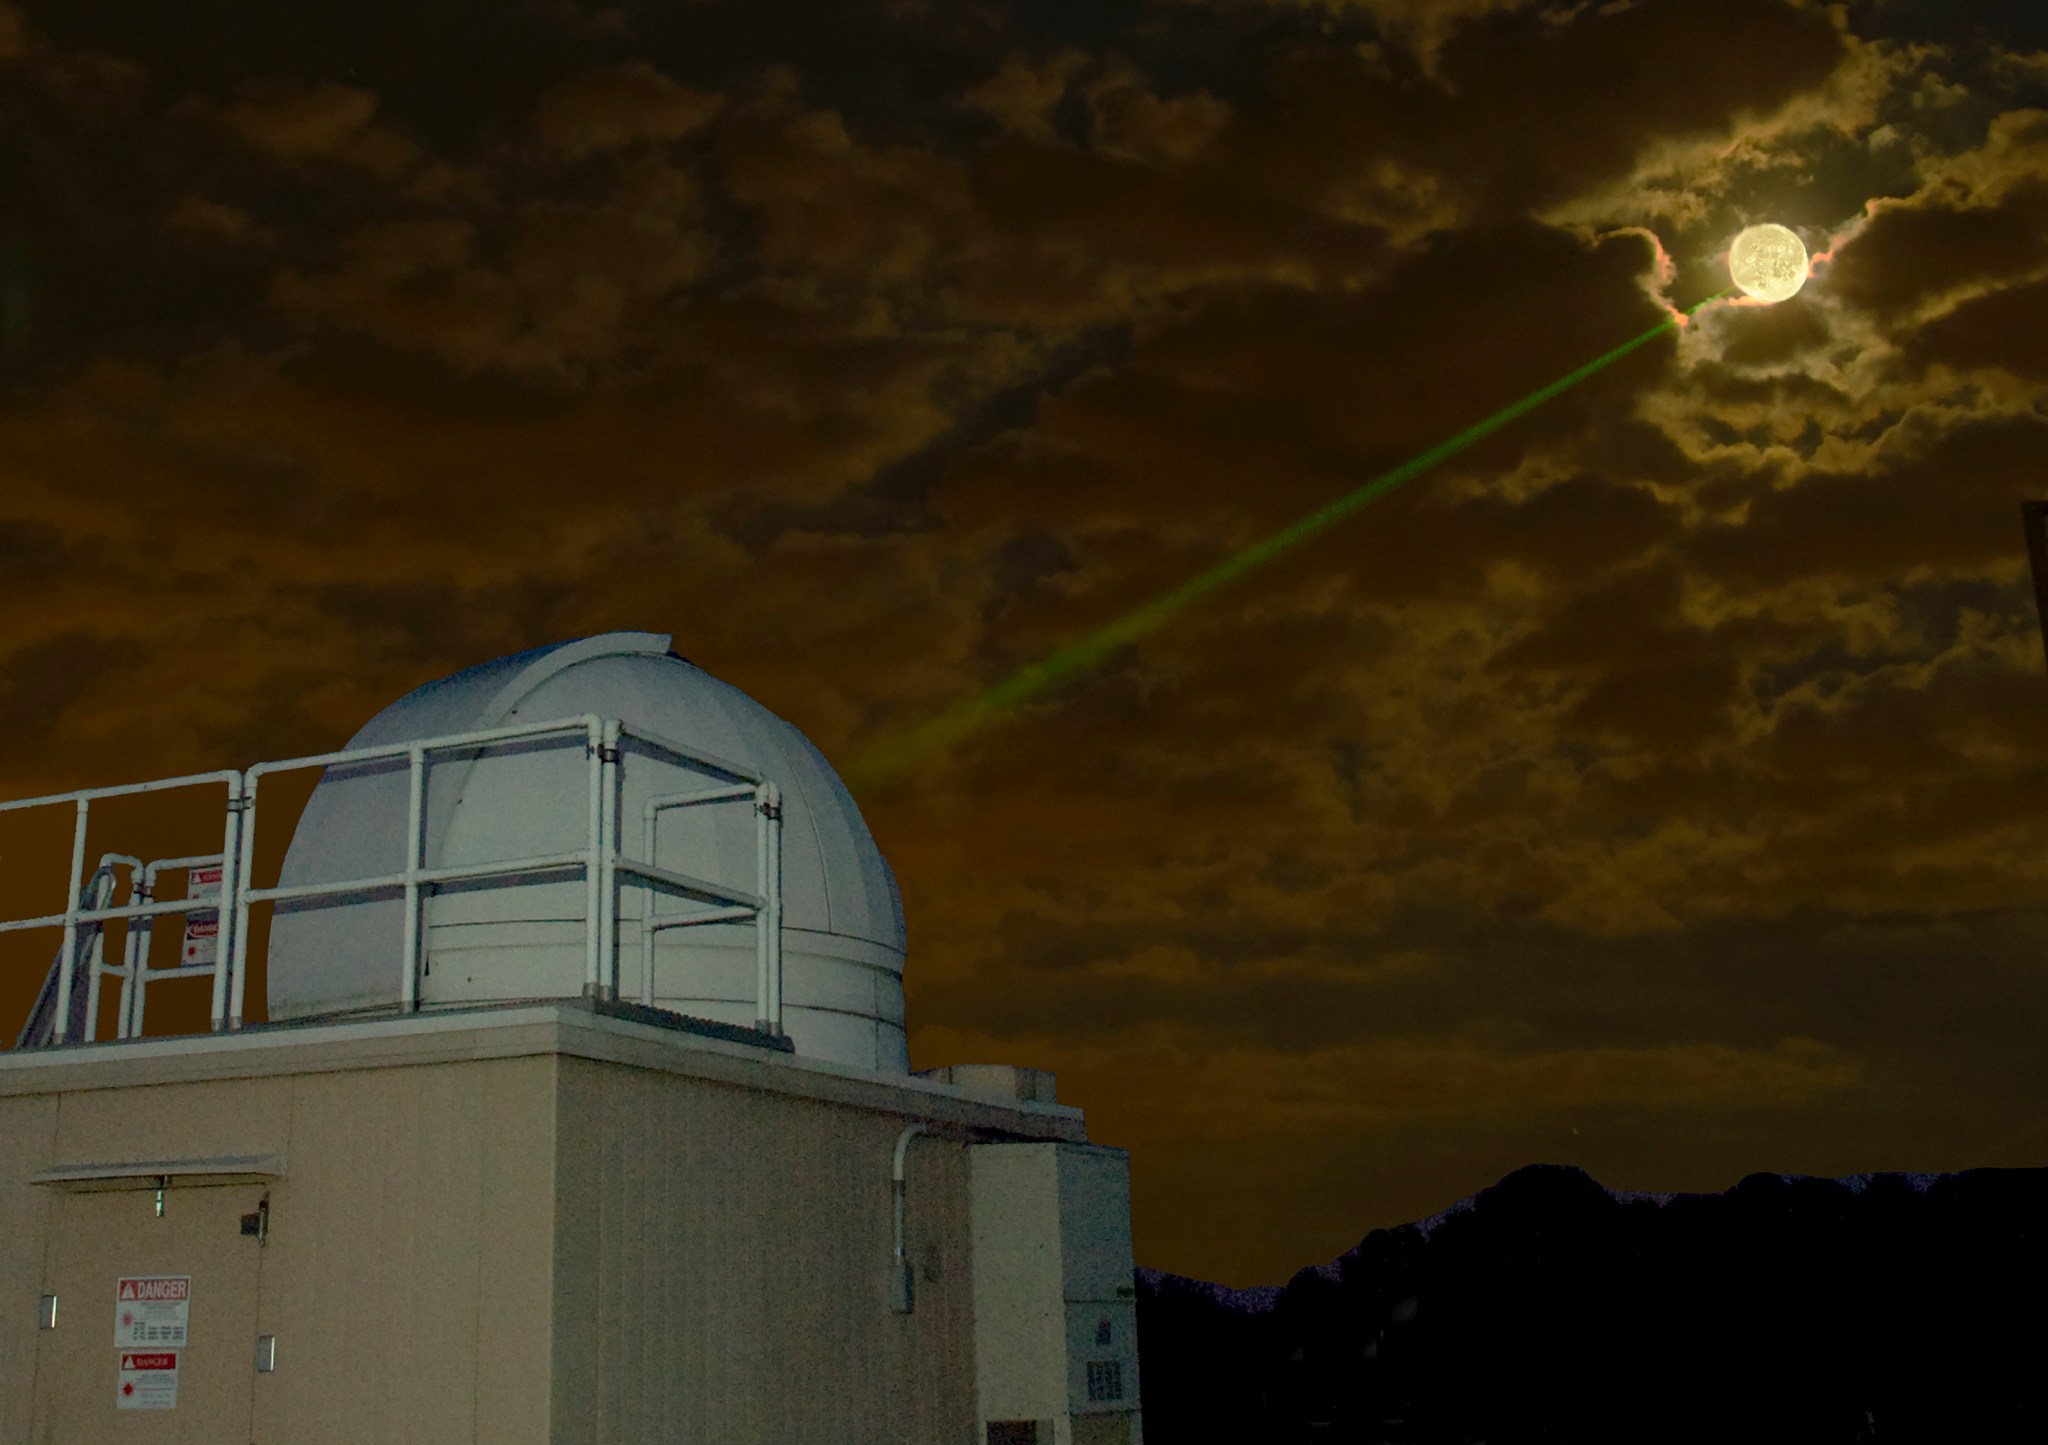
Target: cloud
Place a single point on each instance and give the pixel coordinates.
(1023, 95)
(625, 105)
(842, 212)
(1341, 1092)
(1524, 111)
(568, 284)
(41, 682)
(326, 121)
(1260, 403)
(198, 216)
(1999, 329)
(1131, 120)
(1978, 219)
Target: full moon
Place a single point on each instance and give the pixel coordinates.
(1768, 262)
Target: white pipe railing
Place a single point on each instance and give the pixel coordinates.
(606, 743)
(136, 974)
(764, 905)
(768, 935)
(135, 955)
(96, 959)
(75, 913)
(142, 909)
(593, 872)
(608, 859)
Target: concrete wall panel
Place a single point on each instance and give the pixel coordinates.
(722, 1270)
(406, 1276)
(28, 1138)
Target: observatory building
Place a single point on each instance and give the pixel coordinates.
(582, 1111)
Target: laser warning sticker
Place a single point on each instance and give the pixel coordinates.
(152, 1309)
(202, 941)
(202, 928)
(149, 1380)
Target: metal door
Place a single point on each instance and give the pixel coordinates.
(83, 1395)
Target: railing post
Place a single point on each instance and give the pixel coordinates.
(60, 1030)
(593, 867)
(650, 832)
(608, 782)
(96, 957)
(245, 873)
(140, 932)
(768, 920)
(228, 914)
(415, 846)
(775, 910)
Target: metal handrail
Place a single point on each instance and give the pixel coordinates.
(606, 741)
(765, 904)
(134, 971)
(82, 799)
(122, 790)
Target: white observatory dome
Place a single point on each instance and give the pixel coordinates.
(843, 939)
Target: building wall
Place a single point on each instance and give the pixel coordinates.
(722, 1267)
(1097, 1278)
(408, 1274)
(405, 1274)
(1054, 1292)
(1021, 1360)
(28, 1133)
(511, 1227)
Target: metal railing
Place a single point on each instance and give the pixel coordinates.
(78, 911)
(599, 863)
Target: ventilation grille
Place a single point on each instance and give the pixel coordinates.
(1105, 1380)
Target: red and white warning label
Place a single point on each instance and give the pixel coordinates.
(152, 1309)
(149, 1380)
(202, 929)
(202, 941)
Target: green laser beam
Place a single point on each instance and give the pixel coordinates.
(890, 759)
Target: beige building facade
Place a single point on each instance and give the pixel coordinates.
(558, 1223)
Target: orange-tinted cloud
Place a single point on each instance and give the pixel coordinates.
(322, 122)
(606, 110)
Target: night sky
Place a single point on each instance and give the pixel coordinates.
(1656, 787)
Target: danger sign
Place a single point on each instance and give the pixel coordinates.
(147, 1381)
(202, 929)
(152, 1309)
(202, 940)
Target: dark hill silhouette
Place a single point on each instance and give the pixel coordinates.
(1888, 1307)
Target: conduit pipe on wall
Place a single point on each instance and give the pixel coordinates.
(902, 1287)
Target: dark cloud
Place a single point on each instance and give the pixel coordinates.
(1907, 254)
(1661, 685)
(322, 122)
(1950, 502)
(39, 683)
(1775, 337)
(604, 110)
(2000, 329)
(31, 553)
(1522, 107)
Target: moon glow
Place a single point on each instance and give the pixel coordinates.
(1768, 262)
